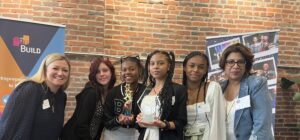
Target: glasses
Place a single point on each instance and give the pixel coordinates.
(231, 63)
(131, 57)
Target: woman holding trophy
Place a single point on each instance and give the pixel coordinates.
(121, 102)
(162, 114)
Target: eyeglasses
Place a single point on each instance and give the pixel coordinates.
(135, 57)
(231, 63)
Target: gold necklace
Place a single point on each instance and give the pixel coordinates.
(228, 111)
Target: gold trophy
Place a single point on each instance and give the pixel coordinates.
(128, 100)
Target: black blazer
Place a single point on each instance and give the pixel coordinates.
(177, 113)
(78, 126)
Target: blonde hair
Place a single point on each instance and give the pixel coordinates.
(40, 75)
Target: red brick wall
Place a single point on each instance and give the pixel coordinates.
(122, 27)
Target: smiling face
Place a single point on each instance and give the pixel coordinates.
(159, 66)
(104, 74)
(57, 74)
(195, 69)
(130, 72)
(237, 70)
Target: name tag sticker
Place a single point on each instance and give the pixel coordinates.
(204, 108)
(243, 102)
(46, 104)
(173, 100)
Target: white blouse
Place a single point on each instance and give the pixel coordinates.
(230, 113)
(150, 108)
(210, 117)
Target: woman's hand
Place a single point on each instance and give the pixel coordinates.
(156, 123)
(127, 106)
(129, 119)
(122, 119)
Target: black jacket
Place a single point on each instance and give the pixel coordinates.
(114, 106)
(33, 112)
(177, 113)
(78, 126)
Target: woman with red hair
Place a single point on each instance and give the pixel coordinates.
(86, 122)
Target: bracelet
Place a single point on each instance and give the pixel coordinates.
(117, 120)
(167, 124)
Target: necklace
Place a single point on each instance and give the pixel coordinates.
(196, 104)
(230, 105)
(156, 91)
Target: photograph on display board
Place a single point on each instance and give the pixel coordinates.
(217, 75)
(215, 51)
(267, 68)
(261, 42)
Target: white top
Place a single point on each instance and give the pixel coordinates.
(230, 113)
(150, 109)
(215, 115)
(197, 120)
(191, 116)
(121, 134)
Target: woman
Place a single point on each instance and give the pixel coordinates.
(163, 103)
(205, 101)
(35, 109)
(87, 120)
(121, 102)
(248, 105)
(256, 46)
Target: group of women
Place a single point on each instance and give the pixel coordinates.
(147, 105)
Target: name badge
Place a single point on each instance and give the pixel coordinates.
(203, 108)
(46, 104)
(243, 102)
(173, 100)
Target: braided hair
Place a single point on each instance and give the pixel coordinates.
(164, 97)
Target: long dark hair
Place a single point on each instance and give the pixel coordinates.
(94, 70)
(187, 58)
(164, 97)
(204, 78)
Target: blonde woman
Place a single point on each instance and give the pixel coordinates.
(35, 109)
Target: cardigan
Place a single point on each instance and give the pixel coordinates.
(33, 112)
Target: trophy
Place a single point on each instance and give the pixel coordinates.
(150, 108)
(128, 100)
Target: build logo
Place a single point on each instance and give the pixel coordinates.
(23, 43)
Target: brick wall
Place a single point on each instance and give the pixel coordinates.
(122, 27)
